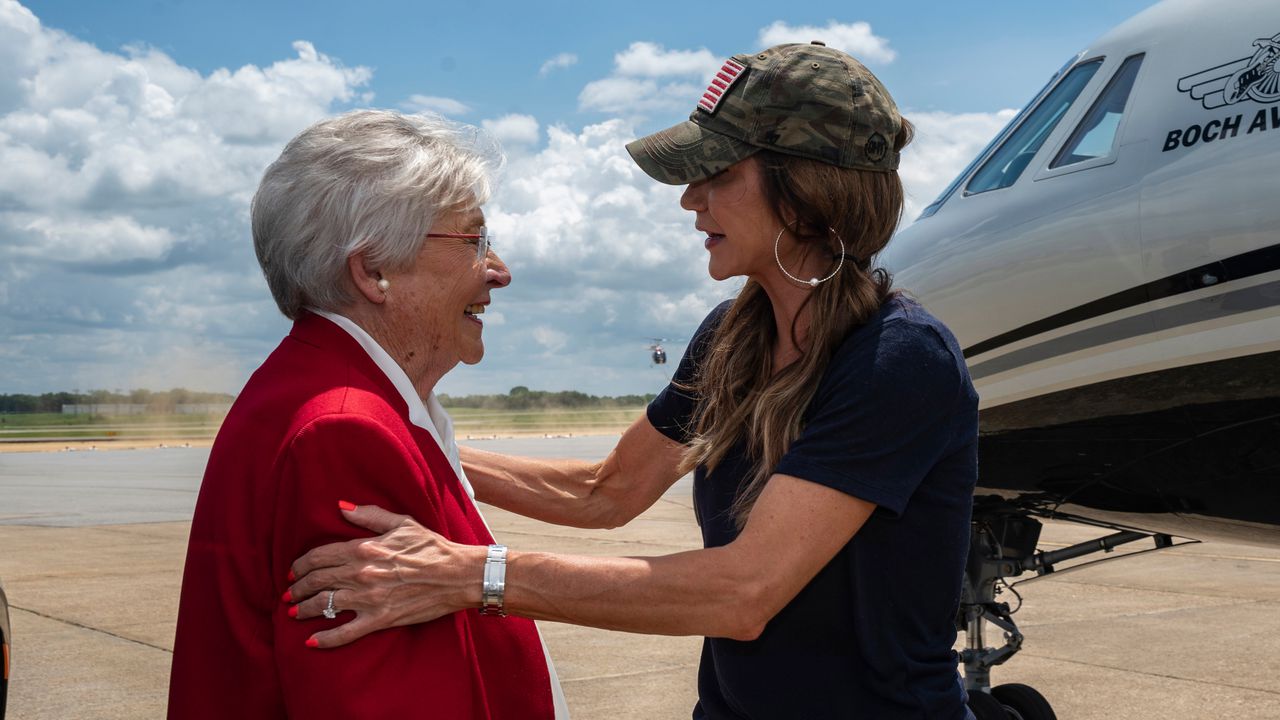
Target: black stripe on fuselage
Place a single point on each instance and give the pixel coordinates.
(1223, 304)
(1187, 451)
(1254, 262)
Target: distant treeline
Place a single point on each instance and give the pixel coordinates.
(164, 401)
(522, 398)
(160, 402)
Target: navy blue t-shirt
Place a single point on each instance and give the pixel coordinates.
(894, 422)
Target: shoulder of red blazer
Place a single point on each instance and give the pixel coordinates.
(319, 369)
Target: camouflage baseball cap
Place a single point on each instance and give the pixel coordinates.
(805, 100)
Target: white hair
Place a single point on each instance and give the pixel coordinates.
(369, 180)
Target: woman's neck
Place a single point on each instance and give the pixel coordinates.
(415, 362)
(789, 311)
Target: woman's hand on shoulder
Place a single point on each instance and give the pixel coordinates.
(408, 574)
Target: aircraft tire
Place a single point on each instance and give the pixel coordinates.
(985, 707)
(1023, 702)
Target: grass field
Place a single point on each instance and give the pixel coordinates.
(471, 421)
(41, 427)
(46, 427)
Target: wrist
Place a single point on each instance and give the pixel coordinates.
(472, 587)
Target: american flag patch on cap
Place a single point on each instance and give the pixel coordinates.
(720, 84)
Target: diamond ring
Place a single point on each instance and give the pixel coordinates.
(330, 612)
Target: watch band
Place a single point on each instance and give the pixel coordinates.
(495, 581)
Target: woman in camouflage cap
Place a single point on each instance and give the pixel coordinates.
(830, 424)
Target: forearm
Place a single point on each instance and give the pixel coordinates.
(700, 592)
(409, 574)
(575, 492)
(559, 491)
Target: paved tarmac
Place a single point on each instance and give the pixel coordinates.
(92, 545)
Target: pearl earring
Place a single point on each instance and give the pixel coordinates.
(384, 284)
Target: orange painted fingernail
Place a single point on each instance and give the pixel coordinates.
(292, 577)
(312, 642)
(288, 596)
(293, 611)
(344, 505)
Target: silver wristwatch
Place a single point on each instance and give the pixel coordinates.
(495, 581)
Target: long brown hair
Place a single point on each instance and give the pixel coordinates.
(739, 389)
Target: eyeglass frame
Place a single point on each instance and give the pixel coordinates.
(483, 240)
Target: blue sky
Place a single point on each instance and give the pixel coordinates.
(133, 133)
(959, 57)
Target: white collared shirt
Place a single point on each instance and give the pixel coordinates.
(432, 417)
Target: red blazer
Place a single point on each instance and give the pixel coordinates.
(319, 422)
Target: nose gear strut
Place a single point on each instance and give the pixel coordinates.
(1002, 545)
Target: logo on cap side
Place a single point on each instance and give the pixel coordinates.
(876, 147)
(724, 79)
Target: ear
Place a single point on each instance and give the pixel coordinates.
(365, 279)
(786, 214)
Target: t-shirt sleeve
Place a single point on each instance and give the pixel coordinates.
(353, 458)
(671, 412)
(882, 416)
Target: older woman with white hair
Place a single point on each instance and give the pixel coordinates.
(370, 232)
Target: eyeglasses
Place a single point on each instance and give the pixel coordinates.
(483, 241)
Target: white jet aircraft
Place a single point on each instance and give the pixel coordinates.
(1111, 266)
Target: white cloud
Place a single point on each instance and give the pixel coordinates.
(431, 103)
(646, 59)
(944, 144)
(560, 61)
(124, 201)
(261, 105)
(513, 129)
(582, 206)
(110, 240)
(629, 96)
(856, 38)
(602, 259)
(647, 77)
(549, 338)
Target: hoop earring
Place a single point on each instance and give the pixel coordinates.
(811, 282)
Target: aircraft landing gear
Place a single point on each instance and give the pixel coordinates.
(1011, 701)
(1023, 702)
(1002, 545)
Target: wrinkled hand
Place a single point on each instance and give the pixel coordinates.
(406, 575)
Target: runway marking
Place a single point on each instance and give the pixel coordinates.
(28, 516)
(73, 623)
(1248, 558)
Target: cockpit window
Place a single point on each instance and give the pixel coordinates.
(951, 188)
(1097, 132)
(1006, 165)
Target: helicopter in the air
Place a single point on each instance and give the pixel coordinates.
(657, 354)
